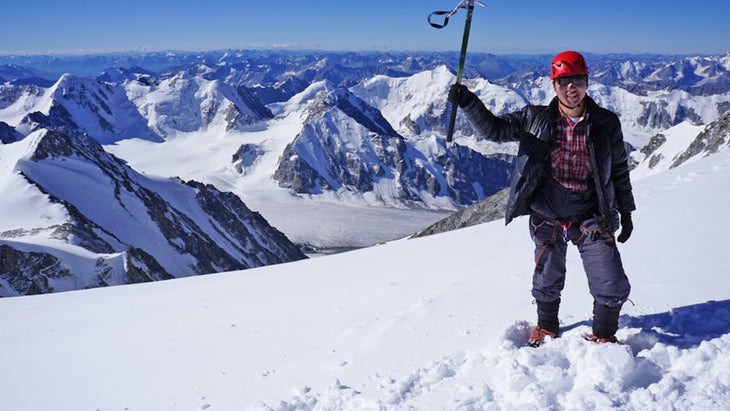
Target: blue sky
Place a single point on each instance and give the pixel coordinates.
(503, 26)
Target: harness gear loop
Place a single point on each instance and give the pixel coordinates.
(593, 235)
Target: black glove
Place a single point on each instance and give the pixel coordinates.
(626, 227)
(460, 95)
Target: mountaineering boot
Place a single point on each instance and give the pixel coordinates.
(605, 324)
(547, 322)
(547, 315)
(602, 340)
(605, 320)
(538, 336)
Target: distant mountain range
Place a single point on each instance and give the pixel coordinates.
(367, 124)
(638, 73)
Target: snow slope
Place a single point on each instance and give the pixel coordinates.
(435, 323)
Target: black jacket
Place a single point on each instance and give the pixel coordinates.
(534, 128)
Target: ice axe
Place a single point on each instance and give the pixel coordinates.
(469, 6)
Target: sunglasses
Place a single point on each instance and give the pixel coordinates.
(578, 81)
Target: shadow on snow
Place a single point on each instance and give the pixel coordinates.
(681, 327)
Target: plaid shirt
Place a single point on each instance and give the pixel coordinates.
(570, 162)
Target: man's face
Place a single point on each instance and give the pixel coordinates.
(571, 90)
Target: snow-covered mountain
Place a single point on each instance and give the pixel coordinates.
(75, 216)
(680, 144)
(329, 130)
(347, 145)
(651, 93)
(123, 104)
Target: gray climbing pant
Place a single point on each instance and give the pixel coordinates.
(607, 280)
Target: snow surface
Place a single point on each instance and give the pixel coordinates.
(435, 323)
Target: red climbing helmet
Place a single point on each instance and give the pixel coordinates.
(568, 63)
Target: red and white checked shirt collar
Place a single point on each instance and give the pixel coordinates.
(570, 162)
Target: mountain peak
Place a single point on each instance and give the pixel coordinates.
(55, 144)
(357, 109)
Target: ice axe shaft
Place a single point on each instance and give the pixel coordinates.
(460, 72)
(469, 4)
